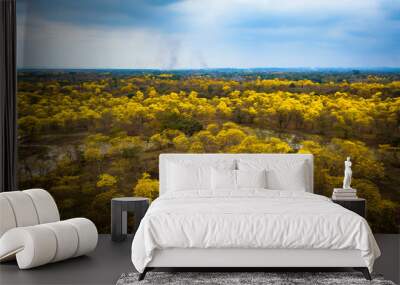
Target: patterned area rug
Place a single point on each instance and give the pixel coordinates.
(243, 278)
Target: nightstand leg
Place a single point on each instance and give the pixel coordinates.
(117, 226)
(124, 224)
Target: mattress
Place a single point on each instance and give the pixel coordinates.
(250, 219)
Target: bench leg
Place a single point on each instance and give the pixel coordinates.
(364, 271)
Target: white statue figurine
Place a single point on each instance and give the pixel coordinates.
(347, 174)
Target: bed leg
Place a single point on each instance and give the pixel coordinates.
(143, 274)
(364, 271)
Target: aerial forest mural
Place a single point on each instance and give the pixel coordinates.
(91, 125)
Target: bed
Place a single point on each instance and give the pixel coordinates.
(247, 210)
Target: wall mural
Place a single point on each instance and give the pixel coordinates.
(104, 87)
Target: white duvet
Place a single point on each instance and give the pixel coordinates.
(250, 219)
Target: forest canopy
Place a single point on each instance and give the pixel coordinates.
(92, 135)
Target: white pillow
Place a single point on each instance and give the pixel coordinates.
(293, 180)
(193, 174)
(182, 177)
(251, 178)
(282, 174)
(223, 179)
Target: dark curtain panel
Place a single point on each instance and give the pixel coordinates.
(8, 116)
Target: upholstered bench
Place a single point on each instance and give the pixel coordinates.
(31, 230)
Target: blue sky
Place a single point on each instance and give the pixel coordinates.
(208, 33)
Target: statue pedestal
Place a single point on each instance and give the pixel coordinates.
(344, 194)
(350, 190)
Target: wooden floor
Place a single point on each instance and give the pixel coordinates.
(110, 260)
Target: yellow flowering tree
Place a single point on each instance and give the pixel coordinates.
(146, 187)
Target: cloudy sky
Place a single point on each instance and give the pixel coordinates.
(208, 33)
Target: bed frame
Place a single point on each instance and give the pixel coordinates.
(246, 258)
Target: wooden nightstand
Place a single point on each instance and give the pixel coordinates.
(357, 205)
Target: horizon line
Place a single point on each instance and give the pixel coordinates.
(205, 68)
